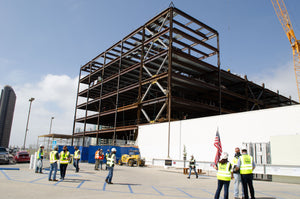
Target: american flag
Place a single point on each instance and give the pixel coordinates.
(218, 145)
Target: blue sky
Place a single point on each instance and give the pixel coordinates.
(44, 43)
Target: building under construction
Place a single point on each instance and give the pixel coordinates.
(168, 69)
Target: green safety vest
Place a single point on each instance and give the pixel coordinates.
(53, 157)
(246, 164)
(224, 172)
(111, 160)
(77, 154)
(64, 157)
(38, 154)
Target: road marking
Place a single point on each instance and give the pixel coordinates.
(38, 179)
(289, 193)
(9, 168)
(58, 182)
(158, 191)
(207, 192)
(130, 189)
(104, 186)
(81, 184)
(268, 195)
(8, 178)
(184, 192)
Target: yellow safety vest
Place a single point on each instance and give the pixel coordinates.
(38, 153)
(111, 160)
(53, 158)
(64, 157)
(235, 161)
(246, 164)
(77, 154)
(224, 172)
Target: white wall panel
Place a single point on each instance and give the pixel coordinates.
(198, 134)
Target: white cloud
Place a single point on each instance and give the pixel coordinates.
(55, 96)
(281, 78)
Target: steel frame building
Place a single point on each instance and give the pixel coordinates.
(168, 69)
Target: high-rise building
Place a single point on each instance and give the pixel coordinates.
(7, 107)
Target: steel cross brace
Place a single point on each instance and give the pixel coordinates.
(157, 38)
(259, 96)
(159, 86)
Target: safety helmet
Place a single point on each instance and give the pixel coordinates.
(41, 146)
(113, 150)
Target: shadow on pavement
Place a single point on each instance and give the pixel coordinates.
(74, 180)
(127, 184)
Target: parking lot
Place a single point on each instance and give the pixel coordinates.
(129, 182)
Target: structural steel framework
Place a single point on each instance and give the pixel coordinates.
(168, 69)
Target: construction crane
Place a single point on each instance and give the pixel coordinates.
(285, 21)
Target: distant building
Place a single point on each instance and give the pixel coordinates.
(7, 107)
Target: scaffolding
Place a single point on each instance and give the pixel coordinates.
(168, 69)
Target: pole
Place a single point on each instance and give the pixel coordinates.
(50, 133)
(51, 124)
(30, 100)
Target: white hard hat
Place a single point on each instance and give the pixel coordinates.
(224, 155)
(41, 145)
(113, 150)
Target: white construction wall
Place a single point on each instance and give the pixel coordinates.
(198, 134)
(285, 150)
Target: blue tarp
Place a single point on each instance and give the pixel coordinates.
(88, 153)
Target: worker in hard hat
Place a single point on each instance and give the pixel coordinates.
(54, 157)
(39, 157)
(246, 166)
(111, 160)
(192, 167)
(76, 158)
(64, 161)
(224, 175)
(106, 155)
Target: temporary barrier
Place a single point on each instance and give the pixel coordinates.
(88, 153)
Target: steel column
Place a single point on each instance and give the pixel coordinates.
(170, 77)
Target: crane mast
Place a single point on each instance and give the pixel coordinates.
(285, 21)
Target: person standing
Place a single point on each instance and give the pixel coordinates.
(111, 160)
(64, 161)
(106, 155)
(236, 174)
(246, 166)
(192, 167)
(76, 158)
(101, 158)
(54, 157)
(97, 160)
(224, 175)
(39, 157)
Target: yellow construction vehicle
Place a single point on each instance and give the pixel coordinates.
(131, 159)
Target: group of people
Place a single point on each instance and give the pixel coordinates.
(111, 160)
(240, 169)
(99, 158)
(64, 158)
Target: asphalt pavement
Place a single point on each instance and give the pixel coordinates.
(129, 182)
